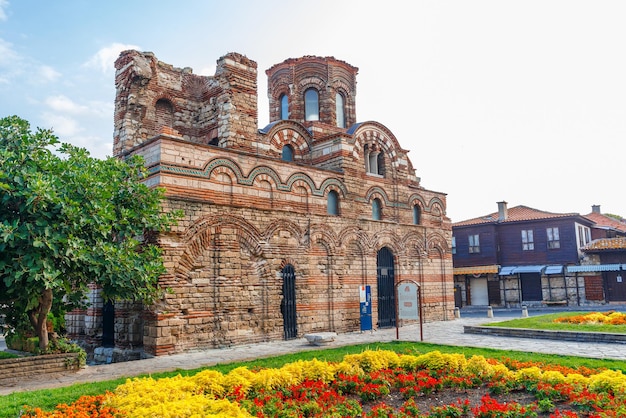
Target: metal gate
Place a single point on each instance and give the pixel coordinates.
(288, 304)
(386, 288)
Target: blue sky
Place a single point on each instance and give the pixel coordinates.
(523, 101)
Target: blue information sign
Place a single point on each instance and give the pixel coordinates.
(365, 298)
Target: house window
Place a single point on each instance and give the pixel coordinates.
(584, 236)
(417, 214)
(287, 154)
(341, 120)
(474, 244)
(311, 105)
(528, 242)
(553, 238)
(333, 203)
(453, 245)
(376, 210)
(284, 107)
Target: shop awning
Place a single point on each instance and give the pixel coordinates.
(595, 267)
(529, 269)
(493, 268)
(553, 270)
(508, 270)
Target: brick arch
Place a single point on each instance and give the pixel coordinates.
(416, 199)
(223, 164)
(312, 81)
(300, 180)
(436, 203)
(387, 239)
(437, 244)
(289, 260)
(379, 192)
(323, 233)
(299, 139)
(226, 170)
(264, 173)
(283, 225)
(198, 237)
(414, 240)
(374, 132)
(355, 234)
(333, 184)
(164, 113)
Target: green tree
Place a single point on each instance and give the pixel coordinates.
(67, 220)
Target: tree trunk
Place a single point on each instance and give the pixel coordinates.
(39, 317)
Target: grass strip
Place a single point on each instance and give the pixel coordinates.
(546, 322)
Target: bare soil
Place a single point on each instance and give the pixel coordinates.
(451, 397)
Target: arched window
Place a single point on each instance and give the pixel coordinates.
(311, 105)
(374, 160)
(341, 120)
(287, 154)
(333, 203)
(417, 214)
(284, 107)
(377, 209)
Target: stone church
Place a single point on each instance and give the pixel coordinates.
(282, 224)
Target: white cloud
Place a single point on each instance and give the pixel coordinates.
(62, 126)
(48, 74)
(104, 59)
(7, 55)
(4, 4)
(64, 104)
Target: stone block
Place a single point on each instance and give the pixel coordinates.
(320, 338)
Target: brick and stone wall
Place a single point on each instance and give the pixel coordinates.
(248, 213)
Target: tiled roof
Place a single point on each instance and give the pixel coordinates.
(606, 221)
(515, 214)
(604, 244)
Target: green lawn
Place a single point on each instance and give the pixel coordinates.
(547, 322)
(47, 399)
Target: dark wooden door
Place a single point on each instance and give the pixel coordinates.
(288, 304)
(531, 287)
(386, 288)
(108, 324)
(616, 286)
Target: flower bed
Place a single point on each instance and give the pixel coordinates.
(606, 318)
(369, 384)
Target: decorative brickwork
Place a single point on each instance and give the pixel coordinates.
(251, 214)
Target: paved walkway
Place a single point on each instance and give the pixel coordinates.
(441, 332)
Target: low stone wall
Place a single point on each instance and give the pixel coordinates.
(15, 369)
(588, 337)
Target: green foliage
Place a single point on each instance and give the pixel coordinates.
(68, 219)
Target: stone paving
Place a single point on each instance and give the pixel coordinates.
(441, 332)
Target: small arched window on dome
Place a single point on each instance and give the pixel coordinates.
(284, 107)
(333, 203)
(377, 210)
(287, 154)
(311, 105)
(341, 114)
(417, 214)
(374, 160)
